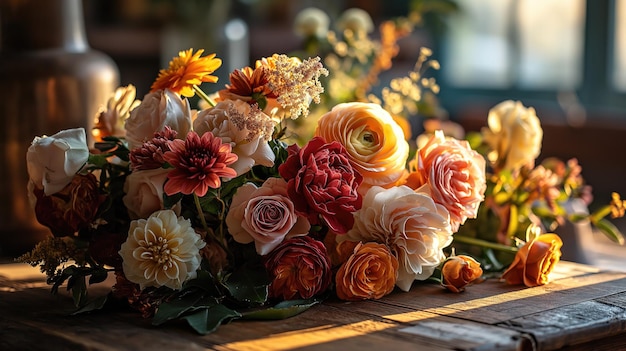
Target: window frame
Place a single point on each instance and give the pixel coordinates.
(596, 92)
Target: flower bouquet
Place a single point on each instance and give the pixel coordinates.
(208, 215)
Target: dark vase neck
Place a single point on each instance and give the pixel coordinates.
(29, 25)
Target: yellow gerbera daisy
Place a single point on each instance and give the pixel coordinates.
(186, 71)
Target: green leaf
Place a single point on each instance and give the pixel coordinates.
(170, 201)
(282, 310)
(79, 289)
(249, 283)
(93, 305)
(208, 319)
(610, 230)
(172, 309)
(98, 276)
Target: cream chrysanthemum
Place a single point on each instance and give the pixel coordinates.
(163, 250)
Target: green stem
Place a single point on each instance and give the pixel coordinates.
(484, 243)
(200, 213)
(204, 96)
(600, 213)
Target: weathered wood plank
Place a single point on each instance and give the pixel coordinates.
(582, 304)
(576, 323)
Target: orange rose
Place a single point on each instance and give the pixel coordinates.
(374, 141)
(370, 273)
(534, 261)
(460, 271)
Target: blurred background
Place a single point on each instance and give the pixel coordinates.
(566, 58)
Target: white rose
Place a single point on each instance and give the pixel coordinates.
(158, 109)
(311, 22)
(234, 122)
(514, 135)
(144, 192)
(52, 161)
(356, 20)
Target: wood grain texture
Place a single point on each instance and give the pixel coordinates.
(581, 308)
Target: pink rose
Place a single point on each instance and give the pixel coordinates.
(453, 173)
(264, 215)
(322, 182)
(299, 268)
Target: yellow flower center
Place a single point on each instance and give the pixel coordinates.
(159, 252)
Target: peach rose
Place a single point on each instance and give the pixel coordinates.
(460, 271)
(453, 173)
(410, 223)
(264, 215)
(158, 109)
(144, 192)
(514, 135)
(374, 141)
(535, 261)
(246, 128)
(369, 273)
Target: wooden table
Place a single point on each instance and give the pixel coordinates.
(583, 308)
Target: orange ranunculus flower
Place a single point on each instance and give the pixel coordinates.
(460, 271)
(374, 141)
(369, 273)
(535, 261)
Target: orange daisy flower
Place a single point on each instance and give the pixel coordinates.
(187, 70)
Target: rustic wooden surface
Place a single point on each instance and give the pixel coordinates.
(583, 308)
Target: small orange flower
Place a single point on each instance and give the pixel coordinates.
(369, 273)
(535, 261)
(187, 70)
(248, 83)
(460, 271)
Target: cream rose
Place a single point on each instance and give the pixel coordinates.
(144, 192)
(247, 130)
(453, 174)
(410, 223)
(162, 250)
(355, 20)
(311, 22)
(514, 135)
(158, 109)
(374, 141)
(264, 215)
(52, 161)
